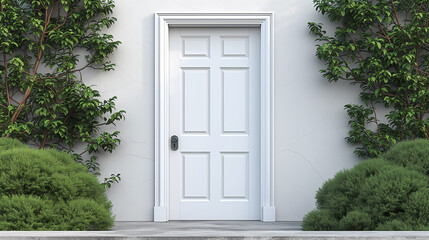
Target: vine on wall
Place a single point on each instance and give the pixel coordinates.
(44, 101)
(383, 47)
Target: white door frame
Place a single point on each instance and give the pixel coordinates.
(163, 22)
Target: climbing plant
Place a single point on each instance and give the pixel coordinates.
(45, 45)
(382, 46)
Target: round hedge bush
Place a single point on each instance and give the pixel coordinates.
(413, 155)
(9, 143)
(387, 193)
(48, 190)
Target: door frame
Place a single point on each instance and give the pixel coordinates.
(163, 23)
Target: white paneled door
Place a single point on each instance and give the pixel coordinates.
(215, 113)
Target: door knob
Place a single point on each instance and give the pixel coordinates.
(174, 142)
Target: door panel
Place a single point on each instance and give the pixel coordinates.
(235, 100)
(214, 110)
(235, 173)
(196, 176)
(196, 99)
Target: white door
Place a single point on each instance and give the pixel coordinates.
(214, 112)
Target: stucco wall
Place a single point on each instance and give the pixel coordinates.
(310, 121)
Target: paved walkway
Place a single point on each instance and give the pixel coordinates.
(210, 230)
(203, 227)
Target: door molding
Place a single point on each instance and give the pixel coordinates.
(163, 23)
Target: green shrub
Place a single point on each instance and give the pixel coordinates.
(413, 155)
(339, 193)
(85, 215)
(26, 213)
(385, 194)
(319, 220)
(355, 221)
(417, 207)
(395, 225)
(8, 143)
(375, 195)
(47, 184)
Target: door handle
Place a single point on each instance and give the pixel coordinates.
(174, 142)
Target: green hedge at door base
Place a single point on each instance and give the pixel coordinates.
(48, 190)
(386, 193)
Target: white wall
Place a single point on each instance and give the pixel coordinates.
(310, 120)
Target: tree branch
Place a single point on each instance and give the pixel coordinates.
(43, 5)
(395, 13)
(65, 20)
(378, 34)
(36, 66)
(64, 74)
(375, 119)
(417, 69)
(382, 30)
(357, 48)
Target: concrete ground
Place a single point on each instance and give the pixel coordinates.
(208, 230)
(156, 228)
